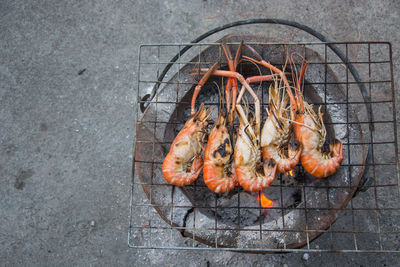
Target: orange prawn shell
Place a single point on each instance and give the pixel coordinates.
(271, 143)
(276, 141)
(283, 164)
(186, 148)
(256, 184)
(314, 161)
(217, 155)
(308, 138)
(246, 156)
(322, 168)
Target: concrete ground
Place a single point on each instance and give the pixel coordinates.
(67, 91)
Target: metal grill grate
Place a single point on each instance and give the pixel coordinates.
(167, 217)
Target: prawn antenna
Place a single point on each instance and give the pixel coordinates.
(220, 97)
(259, 71)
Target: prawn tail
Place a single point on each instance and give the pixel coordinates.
(270, 168)
(320, 166)
(294, 152)
(337, 151)
(253, 181)
(284, 163)
(175, 174)
(217, 180)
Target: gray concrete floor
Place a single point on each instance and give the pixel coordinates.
(66, 139)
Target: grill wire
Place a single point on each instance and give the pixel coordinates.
(377, 197)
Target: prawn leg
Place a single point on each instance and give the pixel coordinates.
(266, 64)
(200, 84)
(232, 82)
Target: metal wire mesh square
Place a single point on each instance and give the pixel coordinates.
(369, 219)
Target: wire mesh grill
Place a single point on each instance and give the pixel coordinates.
(370, 217)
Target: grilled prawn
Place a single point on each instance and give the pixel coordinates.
(184, 161)
(317, 158)
(253, 174)
(277, 139)
(217, 171)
